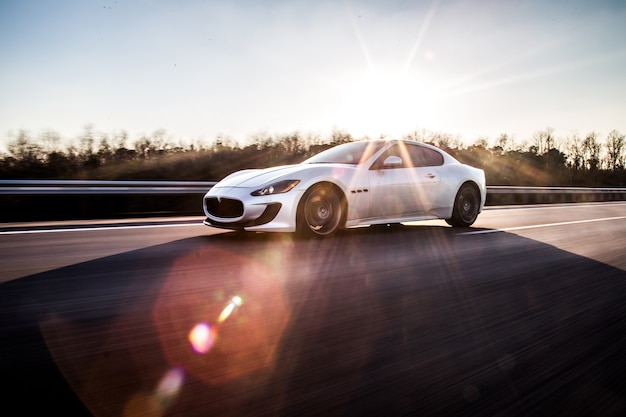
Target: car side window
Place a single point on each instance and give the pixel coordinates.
(412, 156)
(424, 157)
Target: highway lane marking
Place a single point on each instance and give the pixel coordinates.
(84, 229)
(536, 226)
(553, 206)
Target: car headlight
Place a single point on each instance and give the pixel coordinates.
(276, 188)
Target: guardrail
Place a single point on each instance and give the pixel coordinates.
(503, 189)
(29, 200)
(55, 187)
(86, 187)
(508, 195)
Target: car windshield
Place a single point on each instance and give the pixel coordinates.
(349, 153)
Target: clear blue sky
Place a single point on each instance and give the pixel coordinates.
(202, 68)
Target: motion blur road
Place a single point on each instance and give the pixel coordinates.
(522, 314)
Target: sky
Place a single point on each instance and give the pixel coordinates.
(203, 69)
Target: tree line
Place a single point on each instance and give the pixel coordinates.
(542, 160)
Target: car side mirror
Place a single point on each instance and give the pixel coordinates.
(392, 161)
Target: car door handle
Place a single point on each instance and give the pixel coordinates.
(431, 176)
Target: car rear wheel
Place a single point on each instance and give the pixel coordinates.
(321, 211)
(466, 207)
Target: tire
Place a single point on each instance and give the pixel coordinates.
(466, 207)
(321, 211)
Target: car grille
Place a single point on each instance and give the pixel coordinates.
(226, 208)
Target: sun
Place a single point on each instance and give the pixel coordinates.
(386, 103)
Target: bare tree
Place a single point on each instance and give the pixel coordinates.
(576, 152)
(51, 141)
(591, 150)
(502, 144)
(24, 149)
(481, 142)
(86, 142)
(416, 135)
(291, 143)
(543, 140)
(615, 150)
(105, 151)
(338, 136)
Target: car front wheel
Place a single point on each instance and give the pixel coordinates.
(321, 211)
(466, 207)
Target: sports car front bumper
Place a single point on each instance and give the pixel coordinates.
(234, 208)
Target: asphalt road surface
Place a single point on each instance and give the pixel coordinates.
(523, 314)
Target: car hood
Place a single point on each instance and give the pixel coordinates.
(261, 177)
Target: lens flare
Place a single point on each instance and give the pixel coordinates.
(202, 338)
(223, 329)
(236, 301)
(170, 384)
(157, 403)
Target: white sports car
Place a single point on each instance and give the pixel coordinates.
(357, 183)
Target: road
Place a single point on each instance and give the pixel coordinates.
(522, 314)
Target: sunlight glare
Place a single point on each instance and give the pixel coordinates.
(386, 102)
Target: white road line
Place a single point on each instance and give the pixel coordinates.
(84, 229)
(555, 206)
(536, 226)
